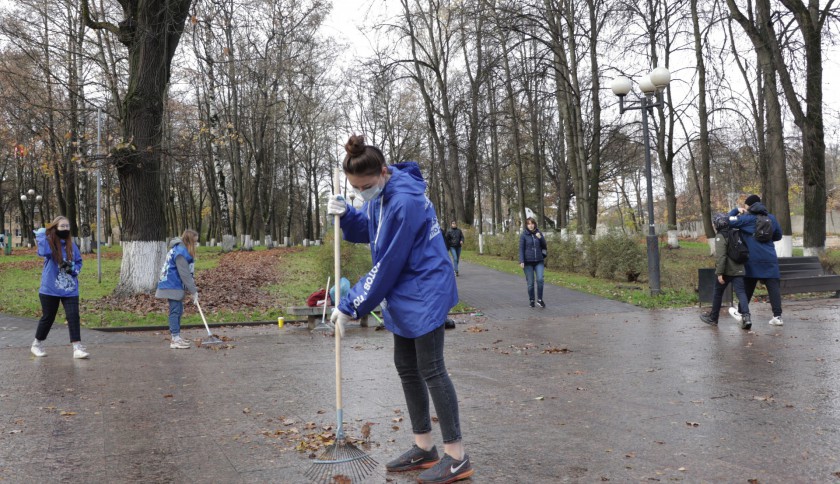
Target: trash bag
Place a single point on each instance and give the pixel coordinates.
(345, 288)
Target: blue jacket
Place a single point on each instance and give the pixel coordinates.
(763, 263)
(169, 277)
(55, 282)
(411, 268)
(531, 247)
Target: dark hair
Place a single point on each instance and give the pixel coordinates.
(530, 219)
(362, 159)
(752, 199)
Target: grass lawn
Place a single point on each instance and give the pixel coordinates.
(300, 272)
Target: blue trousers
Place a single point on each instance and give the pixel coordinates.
(176, 309)
(455, 252)
(534, 270)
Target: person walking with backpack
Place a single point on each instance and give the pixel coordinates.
(729, 268)
(454, 241)
(760, 230)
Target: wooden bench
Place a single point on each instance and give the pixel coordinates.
(797, 275)
(314, 314)
(806, 274)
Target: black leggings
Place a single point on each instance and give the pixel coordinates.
(49, 308)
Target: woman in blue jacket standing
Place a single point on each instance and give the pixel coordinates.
(532, 250)
(59, 284)
(413, 279)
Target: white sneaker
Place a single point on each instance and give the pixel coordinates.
(735, 314)
(776, 321)
(79, 351)
(179, 343)
(37, 349)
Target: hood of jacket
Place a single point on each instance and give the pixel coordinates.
(175, 241)
(405, 178)
(758, 208)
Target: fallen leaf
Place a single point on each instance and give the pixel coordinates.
(67, 414)
(692, 424)
(15, 431)
(540, 398)
(682, 469)
(169, 395)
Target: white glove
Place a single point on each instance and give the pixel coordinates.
(336, 206)
(339, 319)
(195, 298)
(40, 231)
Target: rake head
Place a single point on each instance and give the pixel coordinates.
(341, 463)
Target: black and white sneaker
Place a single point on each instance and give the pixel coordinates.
(414, 458)
(745, 321)
(531, 303)
(708, 319)
(447, 470)
(540, 303)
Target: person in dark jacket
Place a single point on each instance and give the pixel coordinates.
(454, 241)
(176, 281)
(412, 273)
(59, 284)
(532, 251)
(727, 270)
(763, 264)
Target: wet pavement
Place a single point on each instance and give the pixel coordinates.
(585, 390)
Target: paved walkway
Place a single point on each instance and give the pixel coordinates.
(585, 390)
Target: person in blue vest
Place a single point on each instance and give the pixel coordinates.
(413, 280)
(532, 250)
(59, 284)
(763, 264)
(176, 281)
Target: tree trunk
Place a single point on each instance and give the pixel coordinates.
(151, 31)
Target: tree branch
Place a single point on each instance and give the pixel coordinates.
(90, 23)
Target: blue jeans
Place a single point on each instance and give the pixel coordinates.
(49, 308)
(455, 253)
(419, 363)
(534, 269)
(176, 309)
(740, 292)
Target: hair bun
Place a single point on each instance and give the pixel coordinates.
(355, 146)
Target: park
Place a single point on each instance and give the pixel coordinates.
(248, 154)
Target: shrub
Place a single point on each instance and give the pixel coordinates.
(616, 256)
(563, 254)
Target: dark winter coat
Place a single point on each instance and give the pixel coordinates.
(724, 266)
(531, 246)
(763, 263)
(454, 237)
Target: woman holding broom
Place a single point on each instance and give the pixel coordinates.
(412, 277)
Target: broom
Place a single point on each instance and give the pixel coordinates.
(342, 461)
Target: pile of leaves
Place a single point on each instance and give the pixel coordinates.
(234, 285)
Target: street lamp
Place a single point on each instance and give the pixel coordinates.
(651, 86)
(32, 199)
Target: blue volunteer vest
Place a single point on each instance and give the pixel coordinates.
(169, 278)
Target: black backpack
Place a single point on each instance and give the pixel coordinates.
(763, 228)
(736, 248)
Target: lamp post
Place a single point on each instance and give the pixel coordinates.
(652, 86)
(32, 199)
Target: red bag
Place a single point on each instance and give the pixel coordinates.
(316, 298)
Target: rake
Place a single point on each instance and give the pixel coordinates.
(322, 326)
(211, 340)
(342, 461)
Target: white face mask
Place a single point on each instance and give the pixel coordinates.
(370, 193)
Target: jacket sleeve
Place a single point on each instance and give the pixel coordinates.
(461, 242)
(354, 225)
(521, 248)
(720, 254)
(184, 273)
(44, 249)
(745, 223)
(405, 221)
(77, 259)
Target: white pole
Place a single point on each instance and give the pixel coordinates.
(98, 195)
